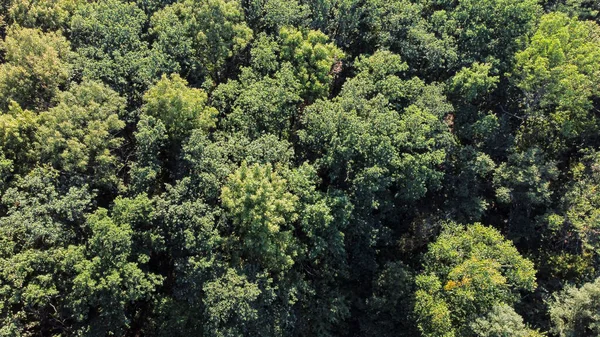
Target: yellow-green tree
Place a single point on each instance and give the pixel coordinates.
(36, 67)
(468, 271)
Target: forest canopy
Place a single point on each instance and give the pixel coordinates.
(228, 168)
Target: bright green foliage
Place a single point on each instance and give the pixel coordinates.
(558, 73)
(473, 82)
(575, 312)
(78, 135)
(180, 108)
(312, 57)
(502, 321)
(468, 271)
(109, 280)
(44, 14)
(433, 313)
(36, 67)
(17, 138)
(262, 211)
(107, 36)
(201, 35)
(298, 168)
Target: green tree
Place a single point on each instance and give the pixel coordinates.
(109, 281)
(48, 15)
(79, 135)
(230, 306)
(180, 108)
(401, 26)
(40, 230)
(558, 74)
(523, 184)
(201, 36)
(502, 321)
(272, 15)
(36, 67)
(17, 139)
(262, 211)
(392, 303)
(573, 248)
(312, 57)
(492, 31)
(150, 147)
(382, 138)
(584, 9)
(467, 272)
(575, 312)
(108, 38)
(285, 74)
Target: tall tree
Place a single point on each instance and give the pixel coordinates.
(468, 271)
(36, 67)
(201, 36)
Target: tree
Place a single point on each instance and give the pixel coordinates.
(523, 183)
(558, 74)
(79, 135)
(180, 108)
(109, 281)
(502, 321)
(583, 9)
(108, 38)
(468, 271)
(570, 240)
(575, 311)
(229, 305)
(437, 38)
(40, 236)
(312, 58)
(37, 66)
(392, 303)
(401, 26)
(491, 31)
(201, 36)
(272, 15)
(262, 212)
(285, 74)
(17, 139)
(383, 138)
(48, 15)
(151, 140)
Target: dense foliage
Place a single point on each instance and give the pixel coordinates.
(228, 168)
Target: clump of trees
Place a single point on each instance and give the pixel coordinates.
(300, 168)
